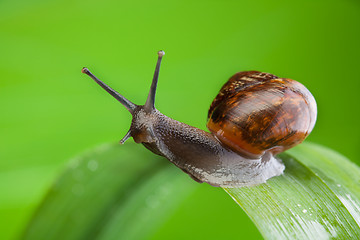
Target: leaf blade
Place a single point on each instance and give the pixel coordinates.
(85, 201)
(311, 205)
(127, 197)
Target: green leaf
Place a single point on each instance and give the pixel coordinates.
(112, 191)
(127, 192)
(317, 197)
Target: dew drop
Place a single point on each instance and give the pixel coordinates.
(74, 163)
(304, 211)
(92, 165)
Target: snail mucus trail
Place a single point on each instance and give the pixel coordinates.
(209, 157)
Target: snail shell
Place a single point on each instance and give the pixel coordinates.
(257, 112)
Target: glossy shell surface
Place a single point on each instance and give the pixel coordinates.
(257, 112)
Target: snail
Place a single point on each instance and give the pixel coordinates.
(255, 116)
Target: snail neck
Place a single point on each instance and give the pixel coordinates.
(168, 137)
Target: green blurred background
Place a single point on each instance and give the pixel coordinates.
(51, 112)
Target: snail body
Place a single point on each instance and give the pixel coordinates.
(215, 157)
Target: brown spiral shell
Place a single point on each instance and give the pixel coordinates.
(256, 112)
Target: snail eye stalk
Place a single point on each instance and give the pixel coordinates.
(150, 102)
(125, 102)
